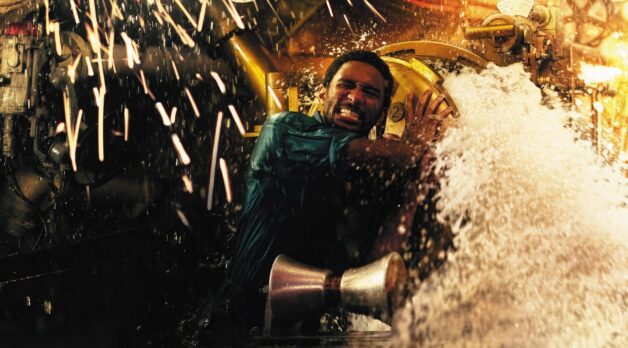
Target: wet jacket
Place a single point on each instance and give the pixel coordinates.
(295, 196)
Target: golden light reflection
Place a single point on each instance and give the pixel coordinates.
(592, 74)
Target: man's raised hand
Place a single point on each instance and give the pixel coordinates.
(422, 122)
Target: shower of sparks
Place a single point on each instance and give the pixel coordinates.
(126, 124)
(73, 67)
(90, 69)
(212, 167)
(225, 178)
(110, 63)
(221, 85)
(96, 96)
(187, 183)
(348, 24)
(129, 49)
(144, 84)
(275, 98)
(101, 124)
(158, 17)
(277, 16)
(57, 30)
(115, 10)
(74, 139)
(173, 115)
(183, 35)
(183, 218)
(234, 13)
(164, 115)
(187, 14)
(201, 16)
(176, 71)
(350, 3)
(191, 98)
(183, 155)
(71, 131)
(136, 52)
(331, 13)
(94, 40)
(60, 128)
(236, 118)
(198, 76)
(368, 4)
(47, 10)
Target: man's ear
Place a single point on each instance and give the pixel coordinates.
(321, 93)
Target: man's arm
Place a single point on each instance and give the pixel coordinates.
(396, 153)
(421, 128)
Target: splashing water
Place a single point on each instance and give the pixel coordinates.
(541, 224)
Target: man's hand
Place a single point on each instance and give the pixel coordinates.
(422, 123)
(405, 152)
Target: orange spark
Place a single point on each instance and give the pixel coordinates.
(236, 118)
(126, 124)
(173, 115)
(144, 84)
(101, 124)
(201, 16)
(234, 13)
(90, 69)
(187, 14)
(275, 98)
(164, 115)
(189, 94)
(221, 85)
(181, 153)
(176, 71)
(225, 178)
(368, 4)
(212, 168)
(57, 30)
(187, 183)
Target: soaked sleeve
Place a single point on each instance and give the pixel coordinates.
(266, 149)
(338, 156)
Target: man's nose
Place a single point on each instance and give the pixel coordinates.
(356, 96)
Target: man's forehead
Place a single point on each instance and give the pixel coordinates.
(361, 72)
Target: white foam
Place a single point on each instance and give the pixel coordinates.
(541, 224)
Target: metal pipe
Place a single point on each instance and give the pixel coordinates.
(489, 31)
(240, 46)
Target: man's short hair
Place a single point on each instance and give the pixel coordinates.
(364, 57)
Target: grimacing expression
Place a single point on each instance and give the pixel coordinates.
(354, 99)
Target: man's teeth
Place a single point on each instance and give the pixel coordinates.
(347, 112)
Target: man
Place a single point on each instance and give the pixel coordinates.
(295, 199)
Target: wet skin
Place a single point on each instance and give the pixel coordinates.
(354, 99)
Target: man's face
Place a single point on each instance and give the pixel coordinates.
(354, 99)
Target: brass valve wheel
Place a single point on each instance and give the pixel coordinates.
(408, 62)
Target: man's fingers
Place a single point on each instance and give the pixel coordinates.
(420, 109)
(434, 104)
(443, 114)
(410, 100)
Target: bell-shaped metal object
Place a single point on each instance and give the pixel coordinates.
(369, 288)
(297, 290)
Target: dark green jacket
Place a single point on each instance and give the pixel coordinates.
(295, 195)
